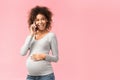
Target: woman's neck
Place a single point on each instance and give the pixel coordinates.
(42, 32)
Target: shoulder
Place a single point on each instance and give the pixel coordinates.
(52, 34)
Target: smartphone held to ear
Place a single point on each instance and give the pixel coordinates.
(36, 28)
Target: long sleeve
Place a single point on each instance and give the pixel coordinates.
(54, 48)
(26, 45)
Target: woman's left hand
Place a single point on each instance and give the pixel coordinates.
(38, 57)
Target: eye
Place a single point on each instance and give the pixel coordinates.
(43, 19)
(37, 19)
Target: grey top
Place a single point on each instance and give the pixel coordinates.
(45, 45)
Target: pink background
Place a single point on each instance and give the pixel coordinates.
(88, 33)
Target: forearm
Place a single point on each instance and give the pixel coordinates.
(51, 58)
(26, 45)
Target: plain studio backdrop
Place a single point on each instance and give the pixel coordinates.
(88, 33)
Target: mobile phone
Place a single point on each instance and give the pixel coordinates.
(36, 27)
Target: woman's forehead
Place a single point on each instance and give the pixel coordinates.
(40, 16)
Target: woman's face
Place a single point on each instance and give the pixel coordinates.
(41, 22)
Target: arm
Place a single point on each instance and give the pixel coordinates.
(26, 45)
(54, 48)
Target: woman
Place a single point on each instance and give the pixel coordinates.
(39, 43)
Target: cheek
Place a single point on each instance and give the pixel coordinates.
(44, 22)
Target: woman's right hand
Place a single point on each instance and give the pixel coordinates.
(32, 29)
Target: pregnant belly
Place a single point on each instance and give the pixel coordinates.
(37, 67)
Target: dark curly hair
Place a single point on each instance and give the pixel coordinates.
(40, 10)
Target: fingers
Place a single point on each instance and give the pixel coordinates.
(36, 57)
(33, 29)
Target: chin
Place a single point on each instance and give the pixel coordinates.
(41, 29)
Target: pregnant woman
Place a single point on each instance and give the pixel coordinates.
(40, 42)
